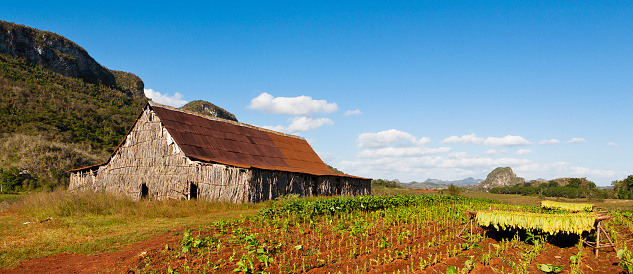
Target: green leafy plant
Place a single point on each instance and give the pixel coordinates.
(550, 268)
(384, 243)
(188, 242)
(245, 265)
(626, 260)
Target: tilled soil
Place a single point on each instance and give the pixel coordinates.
(152, 256)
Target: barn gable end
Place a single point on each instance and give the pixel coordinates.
(211, 159)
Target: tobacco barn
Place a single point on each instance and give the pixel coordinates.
(175, 154)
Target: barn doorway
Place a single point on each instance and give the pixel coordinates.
(193, 191)
(144, 191)
(338, 186)
(314, 186)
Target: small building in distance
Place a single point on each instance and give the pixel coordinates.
(175, 154)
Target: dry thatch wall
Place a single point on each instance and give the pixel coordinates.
(150, 164)
(149, 157)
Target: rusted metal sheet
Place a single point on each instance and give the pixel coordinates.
(235, 144)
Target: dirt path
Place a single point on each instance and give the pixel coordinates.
(114, 262)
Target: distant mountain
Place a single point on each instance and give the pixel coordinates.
(59, 108)
(423, 185)
(437, 183)
(206, 108)
(462, 182)
(500, 177)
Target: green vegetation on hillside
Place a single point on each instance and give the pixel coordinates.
(623, 189)
(386, 183)
(566, 187)
(50, 123)
(333, 169)
(37, 101)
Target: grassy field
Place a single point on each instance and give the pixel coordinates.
(43, 224)
(515, 199)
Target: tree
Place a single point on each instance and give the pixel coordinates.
(629, 182)
(623, 188)
(453, 190)
(574, 182)
(9, 179)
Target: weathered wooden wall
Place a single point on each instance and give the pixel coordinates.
(270, 184)
(150, 157)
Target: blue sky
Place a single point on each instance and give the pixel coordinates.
(386, 89)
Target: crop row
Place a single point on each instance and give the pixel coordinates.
(573, 207)
(321, 206)
(406, 234)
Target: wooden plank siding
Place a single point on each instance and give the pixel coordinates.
(162, 162)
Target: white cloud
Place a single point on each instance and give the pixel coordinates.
(492, 152)
(275, 128)
(460, 165)
(401, 152)
(174, 101)
(466, 139)
(457, 155)
(390, 137)
(576, 140)
(549, 142)
(613, 144)
(353, 112)
(300, 105)
(508, 140)
(523, 151)
(326, 156)
(299, 124)
(307, 124)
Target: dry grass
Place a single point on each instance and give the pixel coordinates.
(43, 224)
(385, 191)
(516, 199)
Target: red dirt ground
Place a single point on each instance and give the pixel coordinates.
(135, 257)
(114, 262)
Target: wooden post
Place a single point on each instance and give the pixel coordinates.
(469, 223)
(600, 231)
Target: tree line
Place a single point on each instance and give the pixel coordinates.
(571, 188)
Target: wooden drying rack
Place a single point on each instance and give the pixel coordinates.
(600, 231)
(470, 223)
(597, 245)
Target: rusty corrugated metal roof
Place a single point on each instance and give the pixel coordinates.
(236, 144)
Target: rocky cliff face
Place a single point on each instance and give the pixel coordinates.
(59, 108)
(500, 177)
(206, 108)
(61, 55)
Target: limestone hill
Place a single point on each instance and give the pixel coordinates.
(500, 177)
(206, 108)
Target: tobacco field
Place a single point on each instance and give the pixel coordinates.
(391, 234)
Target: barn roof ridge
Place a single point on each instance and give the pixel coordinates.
(215, 118)
(277, 151)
